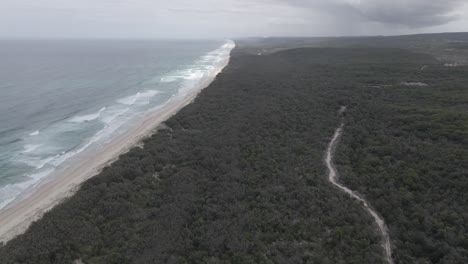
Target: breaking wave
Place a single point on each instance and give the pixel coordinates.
(85, 118)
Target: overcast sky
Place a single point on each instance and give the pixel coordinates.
(227, 18)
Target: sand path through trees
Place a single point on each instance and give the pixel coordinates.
(332, 177)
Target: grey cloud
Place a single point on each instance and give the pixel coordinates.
(227, 18)
(411, 13)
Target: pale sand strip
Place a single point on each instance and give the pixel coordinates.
(333, 178)
(65, 181)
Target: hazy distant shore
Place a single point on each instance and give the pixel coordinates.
(16, 218)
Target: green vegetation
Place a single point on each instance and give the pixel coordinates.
(238, 176)
(406, 149)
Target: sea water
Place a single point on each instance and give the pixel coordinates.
(59, 97)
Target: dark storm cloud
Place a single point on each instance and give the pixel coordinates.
(411, 13)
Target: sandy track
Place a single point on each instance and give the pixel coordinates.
(333, 176)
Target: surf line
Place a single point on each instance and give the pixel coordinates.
(332, 177)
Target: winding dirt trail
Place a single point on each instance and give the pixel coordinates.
(332, 177)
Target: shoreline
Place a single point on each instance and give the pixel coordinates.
(66, 180)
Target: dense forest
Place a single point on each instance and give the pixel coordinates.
(405, 147)
(238, 175)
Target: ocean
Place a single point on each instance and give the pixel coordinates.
(60, 97)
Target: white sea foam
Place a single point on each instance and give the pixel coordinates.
(37, 176)
(53, 155)
(128, 100)
(202, 67)
(53, 161)
(187, 74)
(6, 201)
(29, 161)
(31, 147)
(194, 74)
(45, 161)
(112, 114)
(35, 133)
(85, 118)
(455, 64)
(34, 160)
(414, 84)
(168, 79)
(139, 98)
(9, 192)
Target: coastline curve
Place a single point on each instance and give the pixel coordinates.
(66, 179)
